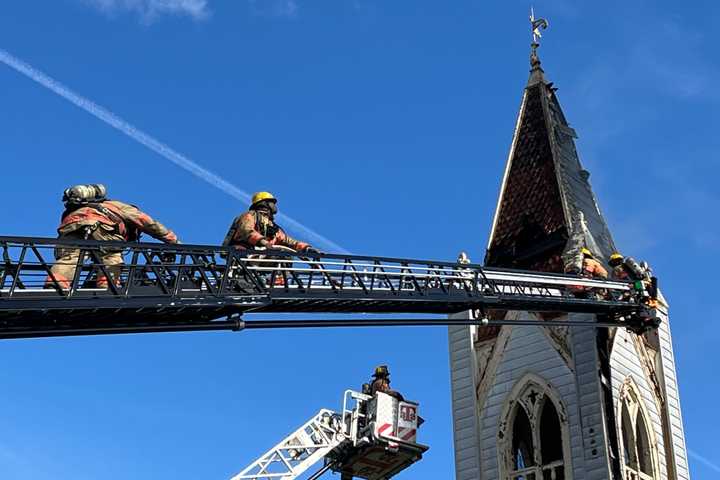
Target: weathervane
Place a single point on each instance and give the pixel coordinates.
(537, 24)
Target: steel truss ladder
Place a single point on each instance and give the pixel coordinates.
(197, 287)
(300, 450)
(356, 442)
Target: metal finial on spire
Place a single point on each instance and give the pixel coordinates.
(537, 24)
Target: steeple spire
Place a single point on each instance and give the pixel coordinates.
(547, 210)
(536, 24)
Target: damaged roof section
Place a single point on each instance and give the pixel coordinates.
(547, 210)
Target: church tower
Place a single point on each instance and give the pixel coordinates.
(555, 403)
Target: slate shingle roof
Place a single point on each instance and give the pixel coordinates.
(547, 209)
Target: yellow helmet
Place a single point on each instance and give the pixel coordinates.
(616, 259)
(381, 371)
(260, 196)
(585, 251)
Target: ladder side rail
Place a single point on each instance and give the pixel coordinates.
(79, 264)
(550, 279)
(179, 274)
(45, 267)
(202, 270)
(227, 272)
(217, 250)
(506, 286)
(16, 274)
(441, 276)
(298, 451)
(237, 264)
(132, 269)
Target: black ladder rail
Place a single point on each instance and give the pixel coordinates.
(180, 286)
(237, 324)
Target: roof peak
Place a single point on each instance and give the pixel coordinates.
(536, 25)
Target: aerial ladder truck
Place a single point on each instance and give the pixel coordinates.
(172, 288)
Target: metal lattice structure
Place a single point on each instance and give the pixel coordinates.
(195, 287)
(347, 442)
(300, 450)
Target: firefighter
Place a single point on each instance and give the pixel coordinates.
(628, 269)
(89, 215)
(587, 266)
(257, 228)
(381, 383)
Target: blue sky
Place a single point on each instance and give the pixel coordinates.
(383, 125)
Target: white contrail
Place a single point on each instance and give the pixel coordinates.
(704, 461)
(155, 145)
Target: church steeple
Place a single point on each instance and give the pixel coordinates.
(596, 381)
(547, 209)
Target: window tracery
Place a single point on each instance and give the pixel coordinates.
(534, 437)
(638, 451)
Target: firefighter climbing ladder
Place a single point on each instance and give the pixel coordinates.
(163, 288)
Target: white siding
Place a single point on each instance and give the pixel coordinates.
(674, 413)
(625, 362)
(592, 442)
(529, 351)
(464, 403)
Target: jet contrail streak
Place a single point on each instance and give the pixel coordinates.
(155, 145)
(704, 461)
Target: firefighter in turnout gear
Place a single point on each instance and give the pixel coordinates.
(257, 228)
(381, 383)
(89, 215)
(628, 269)
(587, 266)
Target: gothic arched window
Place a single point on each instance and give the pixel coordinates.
(534, 437)
(637, 448)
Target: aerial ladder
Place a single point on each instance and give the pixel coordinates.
(173, 288)
(373, 438)
(164, 288)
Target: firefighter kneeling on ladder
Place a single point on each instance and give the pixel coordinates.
(587, 266)
(89, 215)
(256, 229)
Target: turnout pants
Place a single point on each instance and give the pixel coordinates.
(67, 260)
